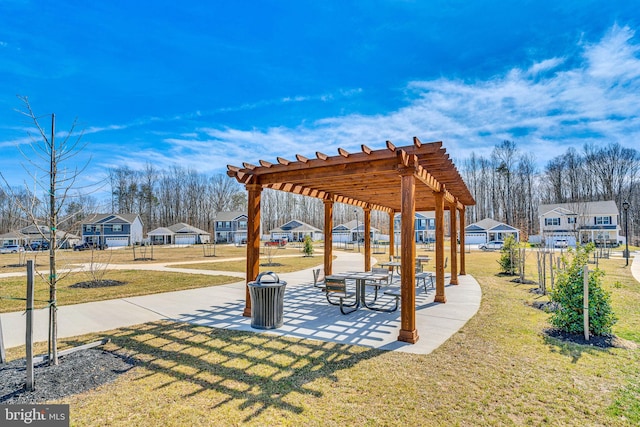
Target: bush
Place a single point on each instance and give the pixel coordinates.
(568, 294)
(308, 246)
(510, 256)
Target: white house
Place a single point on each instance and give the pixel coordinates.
(295, 231)
(488, 230)
(179, 234)
(582, 222)
(352, 231)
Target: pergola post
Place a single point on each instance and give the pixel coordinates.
(408, 331)
(328, 237)
(453, 219)
(392, 235)
(439, 199)
(367, 239)
(462, 227)
(253, 240)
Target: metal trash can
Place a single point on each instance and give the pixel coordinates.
(267, 301)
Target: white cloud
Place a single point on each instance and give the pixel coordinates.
(545, 109)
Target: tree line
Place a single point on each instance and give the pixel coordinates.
(507, 186)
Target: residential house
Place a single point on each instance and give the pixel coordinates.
(352, 231)
(231, 227)
(488, 230)
(296, 231)
(114, 230)
(582, 222)
(179, 234)
(38, 234)
(424, 226)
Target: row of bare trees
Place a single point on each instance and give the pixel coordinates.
(508, 187)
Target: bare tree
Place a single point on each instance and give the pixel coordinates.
(47, 158)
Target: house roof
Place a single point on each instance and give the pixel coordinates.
(607, 207)
(489, 224)
(111, 218)
(182, 227)
(351, 226)
(229, 216)
(179, 228)
(420, 215)
(297, 226)
(31, 232)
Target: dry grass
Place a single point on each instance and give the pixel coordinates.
(137, 282)
(283, 264)
(500, 369)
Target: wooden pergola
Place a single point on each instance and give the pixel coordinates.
(418, 177)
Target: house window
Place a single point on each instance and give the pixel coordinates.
(242, 225)
(571, 220)
(603, 220)
(551, 221)
(117, 227)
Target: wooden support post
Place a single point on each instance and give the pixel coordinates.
(328, 237)
(585, 306)
(462, 243)
(367, 239)
(453, 219)
(3, 355)
(408, 331)
(253, 240)
(392, 237)
(440, 296)
(29, 385)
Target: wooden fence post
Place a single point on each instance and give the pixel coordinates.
(29, 333)
(585, 308)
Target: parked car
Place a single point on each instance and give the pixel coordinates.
(11, 249)
(561, 243)
(493, 245)
(39, 246)
(88, 246)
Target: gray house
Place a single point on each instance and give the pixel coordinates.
(352, 231)
(488, 230)
(178, 234)
(38, 234)
(231, 227)
(295, 231)
(114, 230)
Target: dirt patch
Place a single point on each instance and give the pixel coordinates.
(97, 284)
(604, 341)
(524, 282)
(271, 264)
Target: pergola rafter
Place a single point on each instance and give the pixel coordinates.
(418, 177)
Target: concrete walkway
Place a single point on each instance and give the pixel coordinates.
(306, 313)
(635, 266)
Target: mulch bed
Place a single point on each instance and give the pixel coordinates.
(97, 284)
(76, 372)
(604, 341)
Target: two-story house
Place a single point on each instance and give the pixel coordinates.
(582, 222)
(231, 227)
(425, 226)
(114, 230)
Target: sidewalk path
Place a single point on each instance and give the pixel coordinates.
(306, 313)
(635, 266)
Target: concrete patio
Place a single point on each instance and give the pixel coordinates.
(306, 313)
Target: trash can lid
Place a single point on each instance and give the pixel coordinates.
(274, 278)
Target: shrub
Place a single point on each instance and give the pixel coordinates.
(568, 294)
(510, 256)
(308, 246)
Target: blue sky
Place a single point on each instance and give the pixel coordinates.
(205, 84)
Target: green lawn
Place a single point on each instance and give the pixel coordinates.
(499, 369)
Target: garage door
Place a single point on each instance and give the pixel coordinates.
(475, 238)
(185, 240)
(117, 242)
